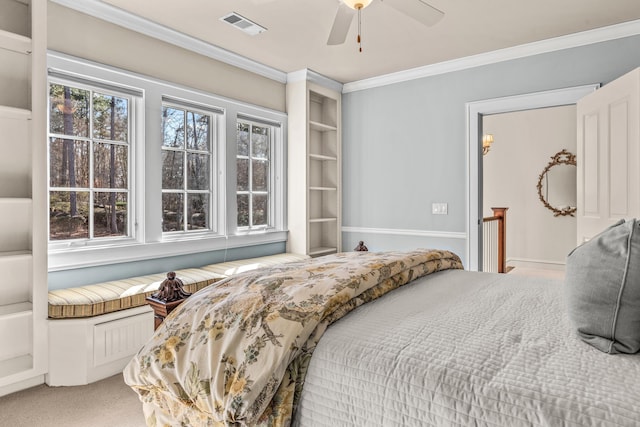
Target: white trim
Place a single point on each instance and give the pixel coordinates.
(130, 21)
(309, 75)
(9, 388)
(71, 259)
(14, 113)
(536, 264)
(15, 42)
(401, 232)
(583, 38)
(109, 13)
(150, 243)
(475, 111)
(62, 62)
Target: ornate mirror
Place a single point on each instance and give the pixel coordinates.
(557, 184)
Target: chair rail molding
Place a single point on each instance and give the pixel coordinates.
(405, 232)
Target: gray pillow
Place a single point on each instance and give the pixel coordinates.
(602, 288)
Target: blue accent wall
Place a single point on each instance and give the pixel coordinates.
(86, 276)
(404, 144)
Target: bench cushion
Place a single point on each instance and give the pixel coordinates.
(107, 297)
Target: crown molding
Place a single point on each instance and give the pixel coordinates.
(583, 38)
(117, 16)
(130, 21)
(309, 75)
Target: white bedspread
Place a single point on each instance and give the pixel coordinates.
(458, 348)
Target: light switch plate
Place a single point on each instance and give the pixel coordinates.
(439, 208)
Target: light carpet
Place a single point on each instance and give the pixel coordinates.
(106, 403)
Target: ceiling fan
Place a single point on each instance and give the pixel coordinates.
(416, 9)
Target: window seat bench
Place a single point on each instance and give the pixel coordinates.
(94, 330)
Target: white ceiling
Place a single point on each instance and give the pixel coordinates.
(298, 30)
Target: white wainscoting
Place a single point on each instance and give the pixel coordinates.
(82, 351)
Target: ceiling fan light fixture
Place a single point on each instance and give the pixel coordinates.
(357, 4)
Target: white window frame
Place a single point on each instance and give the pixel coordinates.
(214, 195)
(134, 111)
(272, 179)
(150, 242)
(278, 173)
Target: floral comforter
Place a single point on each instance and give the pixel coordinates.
(236, 352)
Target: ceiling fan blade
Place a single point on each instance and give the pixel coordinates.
(341, 24)
(418, 10)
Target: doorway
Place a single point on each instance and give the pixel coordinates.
(475, 112)
(525, 144)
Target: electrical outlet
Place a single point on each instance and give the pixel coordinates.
(439, 208)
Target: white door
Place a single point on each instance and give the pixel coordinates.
(608, 155)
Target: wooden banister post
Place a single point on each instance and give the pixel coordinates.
(501, 213)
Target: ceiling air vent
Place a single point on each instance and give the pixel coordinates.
(243, 23)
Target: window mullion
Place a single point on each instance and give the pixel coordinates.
(185, 173)
(69, 137)
(271, 219)
(91, 168)
(213, 190)
(250, 183)
(132, 214)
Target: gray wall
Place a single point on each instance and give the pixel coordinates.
(404, 144)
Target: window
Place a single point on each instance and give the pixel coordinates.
(89, 160)
(187, 169)
(142, 169)
(254, 175)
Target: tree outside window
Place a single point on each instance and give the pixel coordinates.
(253, 175)
(89, 155)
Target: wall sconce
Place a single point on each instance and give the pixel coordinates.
(487, 140)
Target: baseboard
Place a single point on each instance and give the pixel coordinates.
(535, 264)
(21, 385)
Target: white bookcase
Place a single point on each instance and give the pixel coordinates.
(314, 165)
(23, 194)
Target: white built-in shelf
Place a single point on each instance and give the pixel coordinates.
(14, 113)
(23, 126)
(15, 42)
(321, 127)
(15, 228)
(21, 206)
(21, 308)
(315, 163)
(322, 157)
(25, 201)
(317, 220)
(323, 188)
(15, 254)
(322, 251)
(15, 365)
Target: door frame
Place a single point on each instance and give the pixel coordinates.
(474, 112)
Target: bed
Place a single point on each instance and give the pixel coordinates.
(414, 340)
